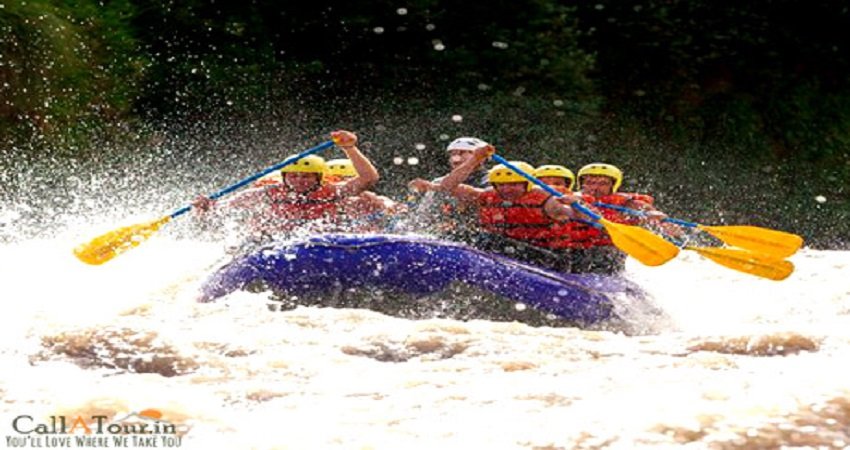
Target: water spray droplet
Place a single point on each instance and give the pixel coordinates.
(413, 161)
(398, 160)
(420, 146)
(457, 118)
(378, 30)
(820, 199)
(401, 11)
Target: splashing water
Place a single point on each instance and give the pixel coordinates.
(748, 362)
(743, 362)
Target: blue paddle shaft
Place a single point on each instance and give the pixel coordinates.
(235, 186)
(577, 205)
(635, 212)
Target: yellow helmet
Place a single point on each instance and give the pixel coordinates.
(340, 168)
(307, 164)
(501, 174)
(605, 170)
(552, 170)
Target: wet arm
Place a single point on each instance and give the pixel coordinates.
(367, 174)
(453, 180)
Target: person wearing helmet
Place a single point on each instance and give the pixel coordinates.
(301, 199)
(339, 170)
(600, 185)
(435, 212)
(558, 177)
(600, 179)
(304, 176)
(570, 246)
(459, 151)
(514, 217)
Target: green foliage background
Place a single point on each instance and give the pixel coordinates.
(699, 100)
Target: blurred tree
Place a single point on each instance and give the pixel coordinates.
(221, 50)
(65, 67)
(768, 76)
(763, 79)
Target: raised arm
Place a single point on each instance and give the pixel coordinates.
(451, 182)
(421, 185)
(367, 174)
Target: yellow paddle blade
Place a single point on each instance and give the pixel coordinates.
(641, 244)
(761, 240)
(109, 245)
(760, 265)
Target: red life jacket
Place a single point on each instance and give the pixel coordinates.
(590, 236)
(290, 210)
(645, 198)
(523, 219)
(619, 199)
(578, 234)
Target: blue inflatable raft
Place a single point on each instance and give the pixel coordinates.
(418, 266)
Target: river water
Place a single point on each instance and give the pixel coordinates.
(738, 362)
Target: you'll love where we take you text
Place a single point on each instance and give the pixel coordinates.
(93, 441)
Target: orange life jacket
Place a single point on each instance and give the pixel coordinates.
(523, 219)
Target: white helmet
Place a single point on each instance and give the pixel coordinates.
(465, 143)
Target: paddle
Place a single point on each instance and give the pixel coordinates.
(109, 245)
(760, 265)
(639, 243)
(762, 240)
